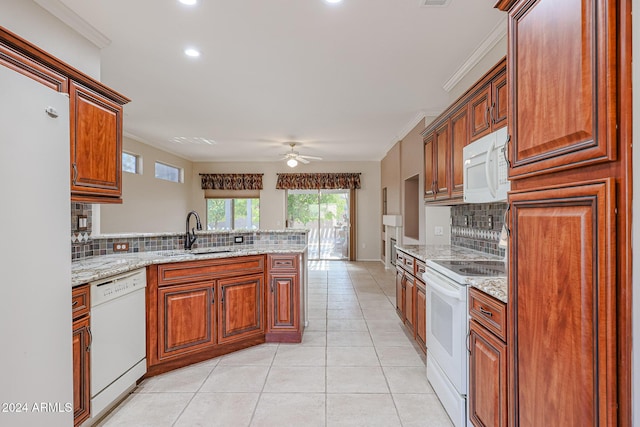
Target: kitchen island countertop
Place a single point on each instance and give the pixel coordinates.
(102, 266)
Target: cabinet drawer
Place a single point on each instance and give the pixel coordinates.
(192, 271)
(80, 301)
(420, 268)
(489, 312)
(283, 262)
(406, 262)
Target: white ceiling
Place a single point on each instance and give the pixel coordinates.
(343, 80)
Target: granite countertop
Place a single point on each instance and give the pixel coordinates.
(494, 286)
(100, 267)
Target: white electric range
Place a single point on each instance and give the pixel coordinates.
(447, 328)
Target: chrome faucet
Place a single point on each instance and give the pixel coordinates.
(190, 238)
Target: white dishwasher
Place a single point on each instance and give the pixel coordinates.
(118, 338)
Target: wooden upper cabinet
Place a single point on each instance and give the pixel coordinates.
(95, 116)
(459, 139)
(488, 107)
(562, 317)
(96, 144)
(442, 161)
(429, 170)
(562, 73)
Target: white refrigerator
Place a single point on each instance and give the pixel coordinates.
(36, 385)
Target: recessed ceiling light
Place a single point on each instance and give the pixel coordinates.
(333, 1)
(188, 2)
(194, 53)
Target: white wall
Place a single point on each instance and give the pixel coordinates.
(36, 25)
(149, 204)
(437, 216)
(273, 203)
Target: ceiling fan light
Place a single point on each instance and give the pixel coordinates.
(292, 163)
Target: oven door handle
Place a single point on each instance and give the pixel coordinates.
(444, 291)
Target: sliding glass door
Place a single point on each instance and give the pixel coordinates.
(325, 213)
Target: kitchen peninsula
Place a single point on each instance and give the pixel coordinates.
(216, 298)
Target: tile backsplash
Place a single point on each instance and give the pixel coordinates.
(84, 244)
(478, 226)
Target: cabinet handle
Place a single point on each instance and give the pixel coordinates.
(88, 349)
(73, 304)
(493, 119)
(505, 150)
(467, 343)
(506, 220)
(486, 312)
(213, 295)
(487, 112)
(75, 173)
(271, 285)
(222, 296)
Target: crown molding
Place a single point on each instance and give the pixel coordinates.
(413, 122)
(75, 21)
(497, 34)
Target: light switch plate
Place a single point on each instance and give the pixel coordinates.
(238, 239)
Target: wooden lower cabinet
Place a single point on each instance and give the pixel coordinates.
(241, 308)
(400, 290)
(206, 308)
(284, 317)
(186, 319)
(409, 303)
(81, 354)
(562, 317)
(487, 378)
(421, 315)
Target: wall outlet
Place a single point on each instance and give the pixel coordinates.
(121, 247)
(438, 230)
(490, 222)
(238, 239)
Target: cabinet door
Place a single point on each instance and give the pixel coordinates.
(429, 162)
(81, 359)
(96, 144)
(442, 161)
(284, 302)
(563, 85)
(400, 278)
(240, 314)
(487, 378)
(421, 315)
(562, 325)
(186, 319)
(409, 298)
(459, 139)
(479, 111)
(499, 101)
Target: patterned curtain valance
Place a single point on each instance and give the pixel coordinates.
(231, 181)
(312, 181)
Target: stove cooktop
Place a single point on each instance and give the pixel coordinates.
(462, 269)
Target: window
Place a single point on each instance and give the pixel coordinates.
(131, 163)
(168, 172)
(233, 214)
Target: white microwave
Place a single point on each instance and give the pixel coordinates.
(485, 168)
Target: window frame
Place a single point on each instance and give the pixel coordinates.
(231, 202)
(138, 162)
(180, 171)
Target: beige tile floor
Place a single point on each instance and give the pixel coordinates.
(355, 367)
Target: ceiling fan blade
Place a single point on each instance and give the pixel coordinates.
(301, 159)
(310, 157)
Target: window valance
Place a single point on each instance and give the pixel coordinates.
(231, 181)
(312, 181)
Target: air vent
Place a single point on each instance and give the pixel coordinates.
(434, 3)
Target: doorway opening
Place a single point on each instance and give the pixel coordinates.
(326, 214)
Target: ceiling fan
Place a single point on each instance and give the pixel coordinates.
(293, 157)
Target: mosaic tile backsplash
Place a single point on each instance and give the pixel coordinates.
(84, 245)
(478, 226)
